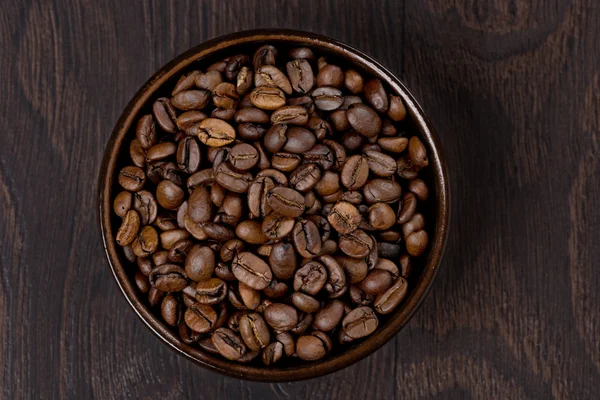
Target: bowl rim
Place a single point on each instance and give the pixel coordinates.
(436, 246)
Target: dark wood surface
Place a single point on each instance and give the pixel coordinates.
(513, 88)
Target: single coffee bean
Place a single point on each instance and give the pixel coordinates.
(132, 178)
(251, 115)
(272, 353)
(276, 290)
(381, 216)
(353, 81)
(405, 266)
(200, 317)
(168, 278)
(171, 310)
(323, 226)
(305, 177)
(225, 114)
(344, 217)
(145, 132)
(360, 297)
(389, 266)
(231, 211)
(244, 156)
(169, 195)
(146, 206)
(234, 320)
(390, 236)
(155, 296)
(228, 344)
(301, 75)
(167, 222)
(419, 188)
(292, 115)
(217, 195)
(250, 297)
(305, 302)
(188, 121)
(382, 190)
(214, 132)
(406, 169)
(299, 140)
(186, 82)
(200, 263)
(320, 155)
(165, 115)
(190, 100)
(416, 243)
(230, 249)
(254, 331)
(330, 75)
(396, 111)
(364, 120)
(381, 164)
(200, 178)
(286, 201)
(189, 337)
(283, 260)
(122, 203)
(336, 284)
(267, 98)
(356, 244)
(360, 322)
(223, 271)
(160, 257)
(304, 101)
(416, 223)
(257, 197)
(275, 138)
(217, 231)
(276, 227)
(212, 291)
(339, 153)
(376, 282)
(352, 197)
(137, 153)
(209, 80)
(146, 242)
(269, 75)
(329, 316)
(393, 144)
(263, 159)
(188, 155)
(313, 347)
(389, 250)
(407, 208)
(307, 238)
(231, 179)
(199, 207)
(349, 100)
(355, 172)
(225, 95)
(417, 153)
(145, 265)
(305, 321)
(302, 52)
(281, 317)
(329, 247)
(310, 278)
(386, 302)
(376, 95)
(129, 228)
(265, 55)
(327, 98)
(251, 270)
(285, 162)
(251, 231)
(339, 120)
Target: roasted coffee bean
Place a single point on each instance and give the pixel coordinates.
(137, 153)
(305, 177)
(355, 172)
(396, 111)
(234, 64)
(263, 159)
(190, 100)
(231, 211)
(360, 322)
(336, 284)
(264, 250)
(169, 195)
(301, 75)
(230, 249)
(329, 316)
(299, 140)
(310, 278)
(275, 138)
(406, 169)
(389, 266)
(305, 321)
(200, 263)
(329, 184)
(188, 121)
(381, 164)
(209, 80)
(352, 197)
(356, 244)
(250, 297)
(329, 247)
(225, 114)
(313, 347)
(389, 250)
(129, 228)
(234, 320)
(225, 96)
(165, 114)
(382, 190)
(244, 156)
(305, 302)
(376, 95)
(188, 155)
(349, 100)
(168, 278)
(323, 226)
(416, 223)
(276, 226)
(146, 242)
(376, 282)
(390, 236)
(145, 265)
(212, 291)
(218, 232)
(359, 296)
(327, 98)
(267, 98)
(217, 195)
(185, 82)
(303, 101)
(254, 331)
(122, 203)
(386, 302)
(307, 238)
(416, 243)
(251, 270)
(419, 188)
(190, 337)
(223, 271)
(145, 132)
(276, 290)
(265, 55)
(353, 81)
(200, 317)
(344, 217)
(339, 154)
(364, 120)
(286, 201)
(251, 231)
(194, 228)
(167, 222)
(200, 178)
(160, 257)
(231, 179)
(407, 208)
(228, 344)
(269, 75)
(301, 52)
(146, 206)
(393, 144)
(381, 216)
(251, 115)
(132, 178)
(405, 266)
(320, 155)
(281, 317)
(285, 162)
(214, 132)
(171, 310)
(339, 120)
(283, 260)
(330, 75)
(257, 197)
(417, 153)
(291, 115)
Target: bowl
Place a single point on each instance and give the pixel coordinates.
(437, 206)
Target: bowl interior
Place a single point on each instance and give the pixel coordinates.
(435, 208)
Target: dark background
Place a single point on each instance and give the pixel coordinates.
(512, 87)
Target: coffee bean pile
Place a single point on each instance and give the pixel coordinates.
(272, 205)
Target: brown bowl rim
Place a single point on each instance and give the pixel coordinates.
(436, 249)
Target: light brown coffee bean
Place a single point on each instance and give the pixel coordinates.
(251, 270)
(344, 217)
(283, 260)
(416, 243)
(251, 231)
(267, 98)
(364, 120)
(387, 302)
(417, 152)
(228, 344)
(214, 132)
(355, 172)
(129, 228)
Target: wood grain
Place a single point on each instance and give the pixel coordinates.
(513, 88)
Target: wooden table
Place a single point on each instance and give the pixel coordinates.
(513, 88)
